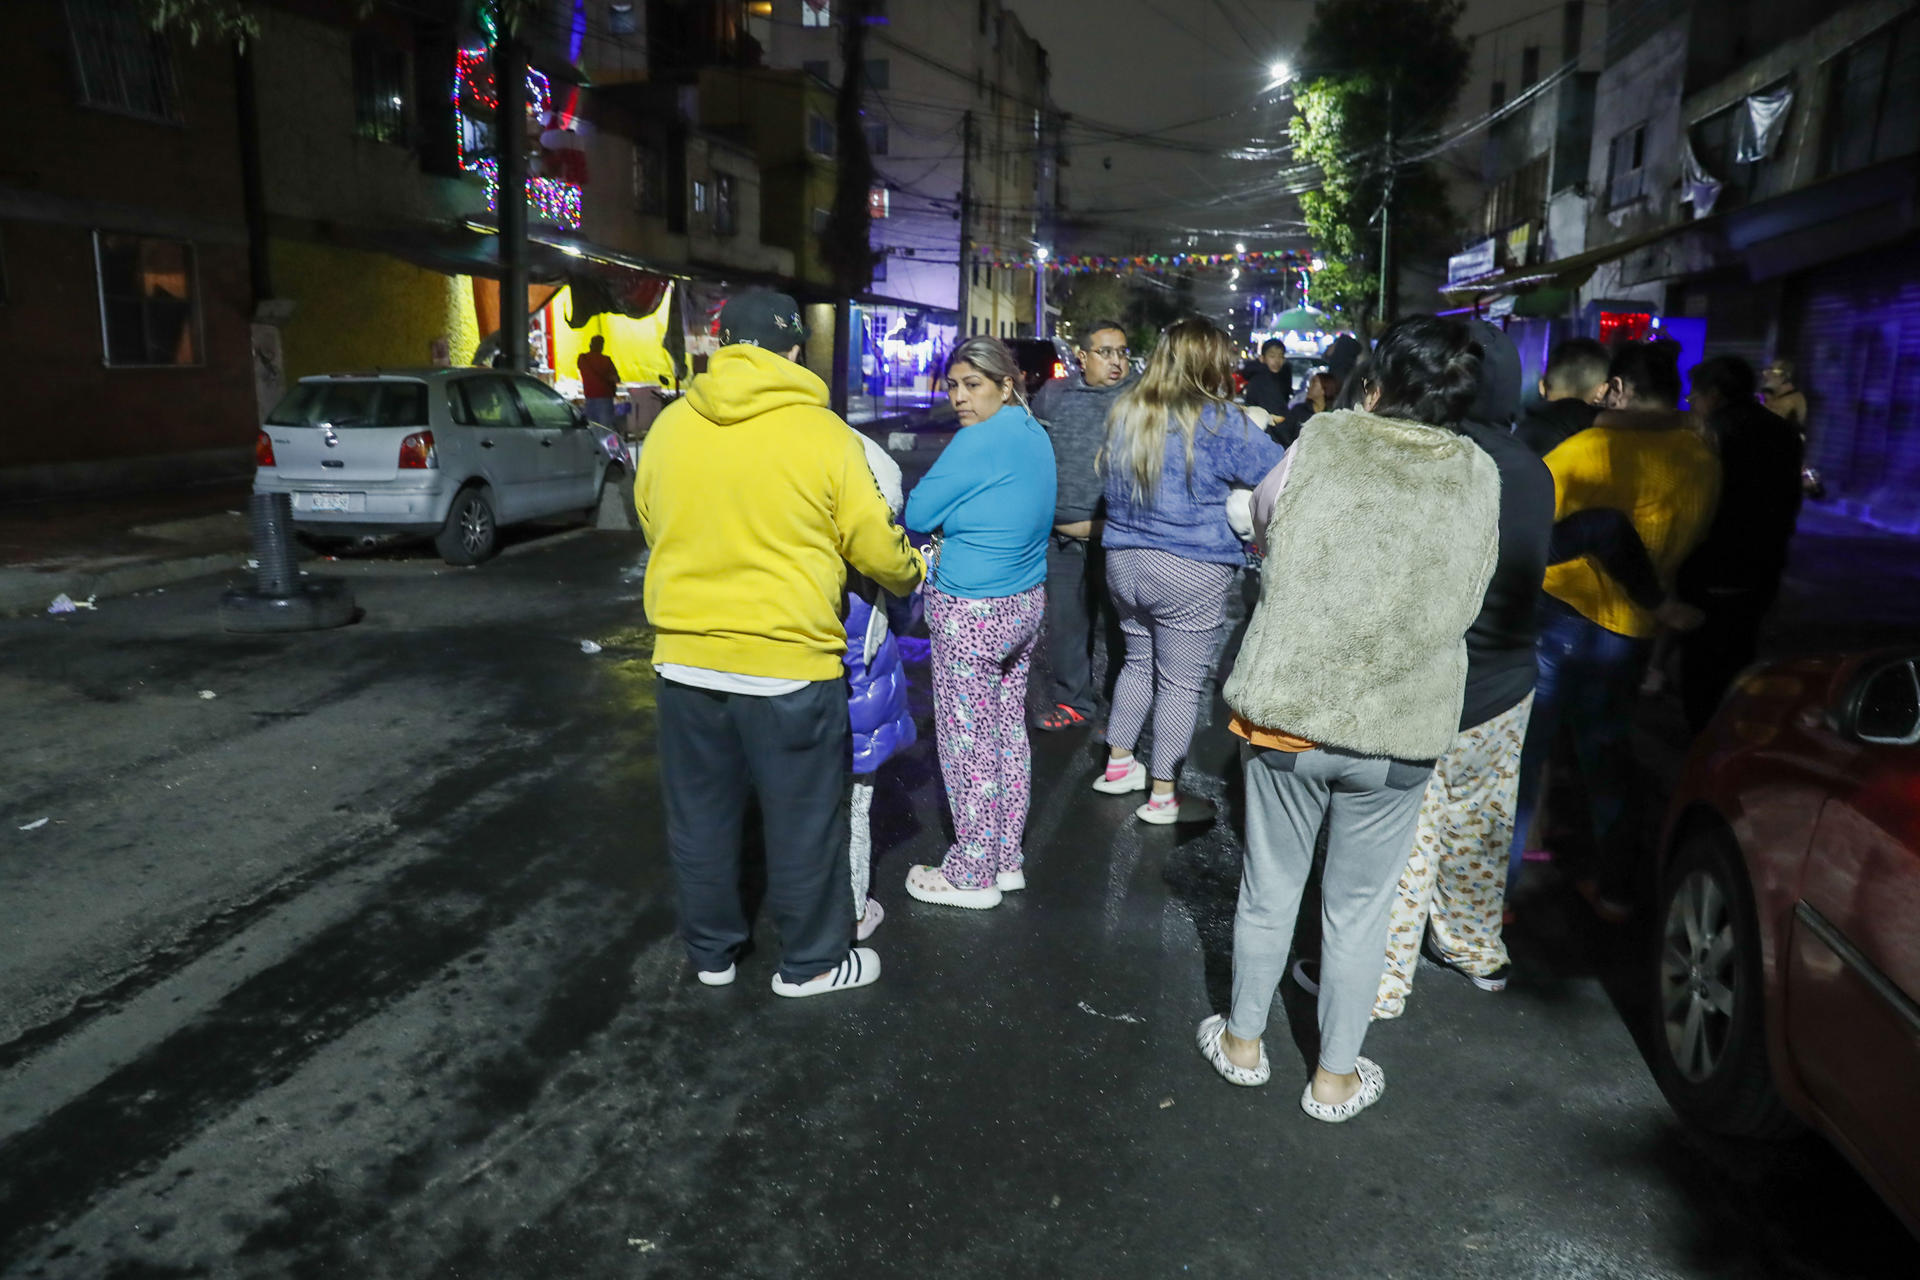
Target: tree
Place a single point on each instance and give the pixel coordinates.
(1380, 73)
(1144, 304)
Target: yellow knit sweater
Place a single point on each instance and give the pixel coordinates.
(754, 496)
(1667, 481)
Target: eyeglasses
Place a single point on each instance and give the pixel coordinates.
(1112, 353)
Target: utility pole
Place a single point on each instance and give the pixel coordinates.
(966, 223)
(1387, 291)
(510, 141)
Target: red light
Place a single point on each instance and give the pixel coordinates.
(1059, 369)
(263, 450)
(1624, 326)
(416, 452)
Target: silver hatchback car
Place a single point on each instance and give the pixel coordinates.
(451, 454)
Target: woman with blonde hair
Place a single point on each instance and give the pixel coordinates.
(989, 497)
(1176, 444)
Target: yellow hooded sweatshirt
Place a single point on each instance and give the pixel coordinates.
(754, 496)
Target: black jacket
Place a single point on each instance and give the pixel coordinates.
(1501, 668)
(1545, 425)
(1269, 390)
(1746, 545)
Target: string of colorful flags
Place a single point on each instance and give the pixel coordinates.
(1082, 264)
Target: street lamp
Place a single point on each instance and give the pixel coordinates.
(1281, 72)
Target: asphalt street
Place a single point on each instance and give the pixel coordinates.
(364, 966)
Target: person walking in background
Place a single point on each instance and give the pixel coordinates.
(1571, 389)
(1730, 582)
(989, 499)
(1453, 889)
(1595, 638)
(1176, 444)
(882, 723)
(1782, 397)
(599, 381)
(1074, 412)
(1382, 531)
(1322, 389)
(754, 498)
(1271, 385)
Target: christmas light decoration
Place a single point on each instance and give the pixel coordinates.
(476, 101)
(1152, 263)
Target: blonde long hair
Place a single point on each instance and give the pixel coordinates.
(1191, 367)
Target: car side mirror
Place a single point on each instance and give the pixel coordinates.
(1883, 704)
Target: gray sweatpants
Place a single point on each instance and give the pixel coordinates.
(1375, 805)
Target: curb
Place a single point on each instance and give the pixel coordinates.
(29, 591)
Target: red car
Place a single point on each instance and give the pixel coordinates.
(1788, 965)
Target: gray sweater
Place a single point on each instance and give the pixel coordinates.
(1379, 551)
(1075, 415)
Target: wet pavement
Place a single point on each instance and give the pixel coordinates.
(364, 967)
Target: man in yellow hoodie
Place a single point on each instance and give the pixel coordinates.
(1650, 465)
(754, 497)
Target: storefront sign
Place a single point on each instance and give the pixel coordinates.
(1472, 264)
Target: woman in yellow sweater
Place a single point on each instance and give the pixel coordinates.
(1594, 637)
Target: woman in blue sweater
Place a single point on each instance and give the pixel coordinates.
(990, 500)
(1176, 445)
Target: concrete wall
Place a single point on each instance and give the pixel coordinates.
(359, 310)
(1642, 88)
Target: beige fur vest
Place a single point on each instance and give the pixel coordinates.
(1378, 557)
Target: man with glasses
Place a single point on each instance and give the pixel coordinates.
(1074, 411)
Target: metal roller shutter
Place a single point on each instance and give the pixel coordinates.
(1858, 354)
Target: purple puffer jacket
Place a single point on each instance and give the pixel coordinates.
(876, 694)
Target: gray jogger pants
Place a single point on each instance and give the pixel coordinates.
(1374, 805)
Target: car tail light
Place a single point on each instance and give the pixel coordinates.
(1059, 369)
(416, 452)
(263, 450)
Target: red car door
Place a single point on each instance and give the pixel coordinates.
(1853, 977)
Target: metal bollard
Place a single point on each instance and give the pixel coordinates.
(280, 599)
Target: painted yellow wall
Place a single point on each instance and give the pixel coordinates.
(638, 347)
(358, 310)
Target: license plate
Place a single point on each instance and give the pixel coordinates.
(329, 501)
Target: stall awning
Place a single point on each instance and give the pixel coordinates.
(1565, 273)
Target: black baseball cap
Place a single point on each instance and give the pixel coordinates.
(762, 318)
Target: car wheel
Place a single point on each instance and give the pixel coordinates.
(470, 534)
(1709, 1038)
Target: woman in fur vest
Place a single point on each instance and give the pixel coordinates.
(1381, 529)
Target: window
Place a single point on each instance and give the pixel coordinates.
(543, 404)
(649, 179)
(1626, 167)
(1498, 97)
(1890, 706)
(149, 305)
(485, 402)
(699, 196)
(1572, 20)
(1716, 144)
(621, 19)
(876, 139)
(346, 403)
(723, 214)
(879, 73)
(379, 89)
(819, 134)
(819, 69)
(122, 64)
(816, 13)
(1529, 66)
(880, 266)
(1873, 102)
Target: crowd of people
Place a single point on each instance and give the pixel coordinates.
(1450, 586)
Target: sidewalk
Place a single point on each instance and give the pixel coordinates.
(113, 546)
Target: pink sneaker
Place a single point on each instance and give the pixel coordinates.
(1121, 777)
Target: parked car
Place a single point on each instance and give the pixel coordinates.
(1042, 359)
(450, 454)
(1788, 964)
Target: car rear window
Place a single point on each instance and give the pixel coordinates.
(350, 402)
